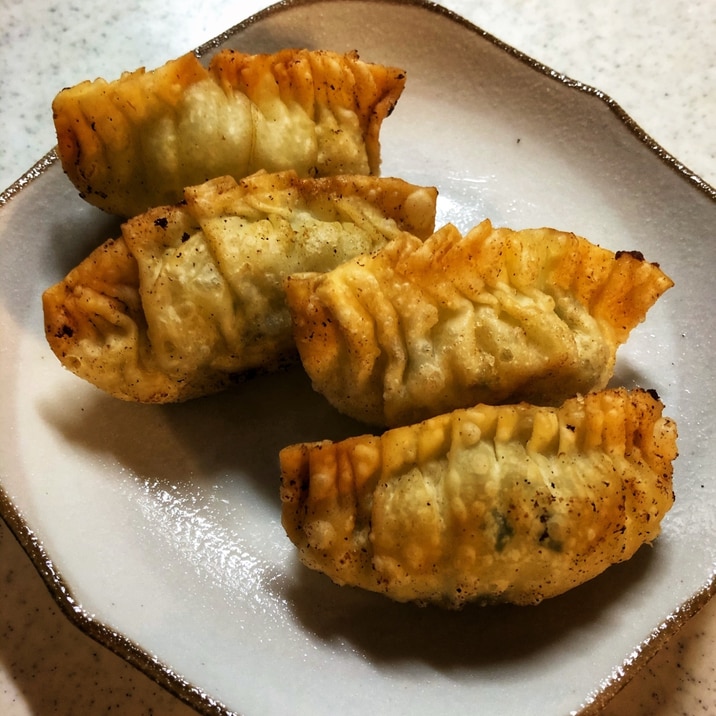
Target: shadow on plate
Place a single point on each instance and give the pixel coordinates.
(237, 435)
(476, 636)
(233, 435)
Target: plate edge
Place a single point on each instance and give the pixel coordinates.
(160, 673)
(624, 117)
(88, 624)
(648, 648)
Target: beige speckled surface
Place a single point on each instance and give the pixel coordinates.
(658, 61)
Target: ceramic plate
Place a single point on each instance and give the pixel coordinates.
(157, 528)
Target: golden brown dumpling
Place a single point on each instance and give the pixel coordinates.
(513, 503)
(136, 142)
(190, 297)
(420, 328)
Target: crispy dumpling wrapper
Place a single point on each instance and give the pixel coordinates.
(190, 298)
(512, 503)
(499, 316)
(136, 142)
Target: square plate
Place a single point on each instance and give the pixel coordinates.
(157, 528)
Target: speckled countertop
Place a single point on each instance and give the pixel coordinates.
(657, 60)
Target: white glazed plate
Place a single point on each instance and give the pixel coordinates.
(157, 528)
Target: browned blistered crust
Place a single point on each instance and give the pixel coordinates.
(138, 141)
(512, 503)
(319, 81)
(422, 327)
(189, 300)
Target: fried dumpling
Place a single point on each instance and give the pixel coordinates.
(136, 142)
(421, 328)
(190, 297)
(512, 503)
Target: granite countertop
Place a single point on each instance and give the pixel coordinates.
(657, 60)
